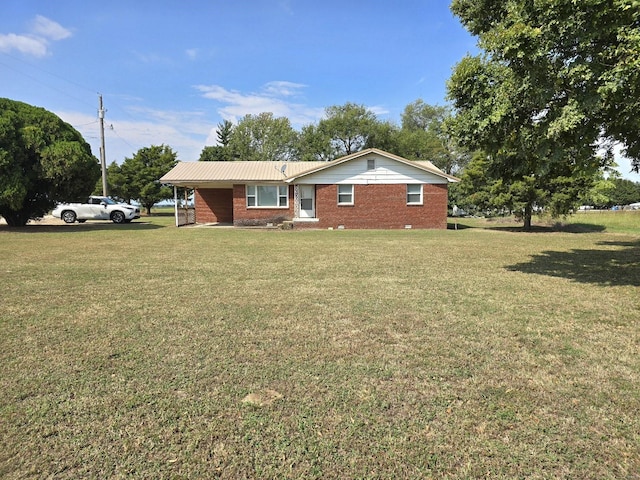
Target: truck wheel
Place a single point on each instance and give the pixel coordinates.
(117, 217)
(69, 216)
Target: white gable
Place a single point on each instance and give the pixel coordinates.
(356, 171)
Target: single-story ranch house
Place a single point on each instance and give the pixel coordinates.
(367, 189)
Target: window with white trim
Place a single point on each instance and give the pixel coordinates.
(274, 196)
(414, 194)
(345, 194)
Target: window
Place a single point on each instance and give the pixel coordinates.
(371, 164)
(414, 194)
(345, 194)
(275, 196)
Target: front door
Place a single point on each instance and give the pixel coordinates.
(307, 201)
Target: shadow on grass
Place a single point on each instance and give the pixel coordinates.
(578, 227)
(603, 267)
(510, 227)
(557, 227)
(457, 226)
(160, 214)
(80, 227)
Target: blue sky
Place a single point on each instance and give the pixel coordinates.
(170, 71)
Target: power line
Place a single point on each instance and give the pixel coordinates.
(85, 124)
(115, 132)
(36, 67)
(38, 81)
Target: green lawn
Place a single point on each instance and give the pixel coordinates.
(129, 351)
(591, 221)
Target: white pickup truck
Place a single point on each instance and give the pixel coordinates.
(96, 208)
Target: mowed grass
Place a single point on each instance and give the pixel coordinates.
(129, 351)
(621, 221)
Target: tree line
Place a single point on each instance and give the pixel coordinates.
(345, 129)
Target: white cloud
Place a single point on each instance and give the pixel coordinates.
(284, 89)
(192, 53)
(274, 97)
(192, 122)
(184, 132)
(46, 28)
(34, 46)
(379, 110)
(36, 41)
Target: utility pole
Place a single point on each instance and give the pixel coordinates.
(103, 159)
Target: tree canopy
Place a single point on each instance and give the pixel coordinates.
(314, 145)
(220, 152)
(424, 136)
(578, 63)
(624, 192)
(263, 137)
(347, 127)
(138, 177)
(539, 100)
(224, 132)
(43, 160)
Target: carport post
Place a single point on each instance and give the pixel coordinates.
(175, 204)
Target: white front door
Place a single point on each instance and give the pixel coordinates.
(307, 201)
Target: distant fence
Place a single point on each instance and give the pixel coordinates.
(186, 216)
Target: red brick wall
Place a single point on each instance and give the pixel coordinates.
(258, 216)
(214, 205)
(376, 206)
(380, 206)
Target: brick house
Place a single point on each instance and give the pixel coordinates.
(367, 189)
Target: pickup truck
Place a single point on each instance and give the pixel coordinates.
(96, 208)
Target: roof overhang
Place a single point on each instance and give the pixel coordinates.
(227, 174)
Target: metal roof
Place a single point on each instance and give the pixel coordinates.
(195, 174)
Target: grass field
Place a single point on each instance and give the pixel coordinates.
(148, 351)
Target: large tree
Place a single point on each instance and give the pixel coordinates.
(263, 137)
(137, 177)
(424, 136)
(314, 145)
(43, 160)
(474, 192)
(348, 127)
(624, 192)
(582, 57)
(216, 153)
(419, 115)
(119, 184)
(385, 135)
(557, 83)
